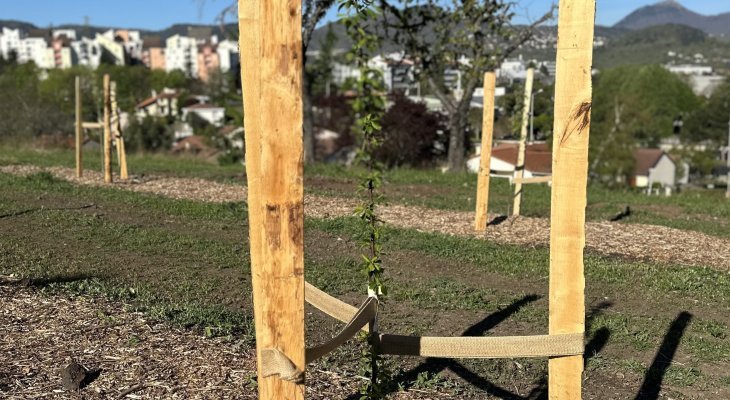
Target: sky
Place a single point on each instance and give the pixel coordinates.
(160, 14)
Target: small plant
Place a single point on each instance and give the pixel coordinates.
(369, 107)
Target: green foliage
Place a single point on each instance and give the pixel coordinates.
(369, 106)
(634, 106)
(149, 134)
(409, 133)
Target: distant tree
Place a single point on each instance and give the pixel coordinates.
(149, 134)
(410, 133)
(439, 37)
(710, 122)
(634, 106)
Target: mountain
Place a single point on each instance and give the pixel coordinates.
(672, 12)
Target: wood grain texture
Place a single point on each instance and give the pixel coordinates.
(79, 131)
(271, 55)
(520, 166)
(482, 209)
(573, 99)
(107, 131)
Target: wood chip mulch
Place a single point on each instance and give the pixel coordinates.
(635, 241)
(41, 335)
(130, 357)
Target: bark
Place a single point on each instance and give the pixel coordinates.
(308, 127)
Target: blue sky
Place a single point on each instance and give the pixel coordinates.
(159, 14)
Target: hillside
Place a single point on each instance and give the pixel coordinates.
(672, 12)
(653, 46)
(90, 31)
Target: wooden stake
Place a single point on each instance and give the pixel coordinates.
(271, 52)
(107, 132)
(573, 100)
(117, 132)
(79, 131)
(482, 212)
(520, 166)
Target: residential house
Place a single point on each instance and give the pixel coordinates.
(538, 160)
(234, 134)
(512, 70)
(653, 167)
(163, 104)
(181, 53)
(213, 114)
(194, 145)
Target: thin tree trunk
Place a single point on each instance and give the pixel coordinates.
(309, 145)
(457, 134)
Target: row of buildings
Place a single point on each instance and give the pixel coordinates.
(199, 54)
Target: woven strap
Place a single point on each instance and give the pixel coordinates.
(329, 305)
(483, 347)
(274, 362)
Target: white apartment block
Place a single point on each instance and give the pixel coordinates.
(86, 52)
(113, 49)
(36, 50)
(228, 54)
(9, 42)
(181, 54)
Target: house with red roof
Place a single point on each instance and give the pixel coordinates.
(653, 167)
(538, 160)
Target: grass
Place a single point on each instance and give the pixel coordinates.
(692, 209)
(187, 263)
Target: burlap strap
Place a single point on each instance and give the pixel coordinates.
(329, 305)
(483, 347)
(274, 362)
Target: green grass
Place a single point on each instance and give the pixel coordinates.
(704, 211)
(187, 263)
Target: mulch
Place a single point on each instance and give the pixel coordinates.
(634, 241)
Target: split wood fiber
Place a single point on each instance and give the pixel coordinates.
(520, 166)
(482, 211)
(107, 131)
(573, 100)
(271, 52)
(117, 132)
(79, 131)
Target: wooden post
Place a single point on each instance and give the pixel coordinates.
(79, 131)
(271, 52)
(520, 166)
(482, 212)
(107, 132)
(117, 132)
(573, 100)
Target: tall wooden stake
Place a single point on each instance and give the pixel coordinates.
(482, 212)
(107, 132)
(271, 52)
(118, 136)
(573, 100)
(79, 131)
(520, 166)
